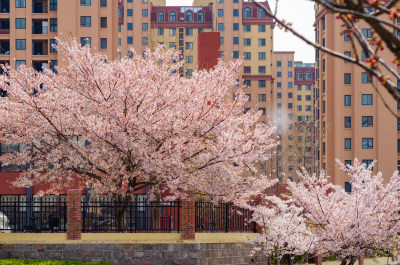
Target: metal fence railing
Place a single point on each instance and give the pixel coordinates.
(135, 216)
(38, 215)
(222, 217)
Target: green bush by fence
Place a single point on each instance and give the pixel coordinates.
(47, 262)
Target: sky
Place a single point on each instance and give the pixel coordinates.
(300, 13)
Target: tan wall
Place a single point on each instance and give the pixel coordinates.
(383, 132)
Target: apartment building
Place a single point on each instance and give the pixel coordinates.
(351, 117)
(293, 115)
(28, 29)
(243, 30)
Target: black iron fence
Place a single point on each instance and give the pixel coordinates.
(222, 217)
(135, 216)
(17, 214)
(49, 214)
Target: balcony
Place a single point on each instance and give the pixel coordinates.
(4, 6)
(4, 47)
(5, 26)
(40, 6)
(40, 47)
(40, 65)
(40, 26)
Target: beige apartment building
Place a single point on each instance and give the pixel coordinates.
(293, 102)
(28, 29)
(244, 32)
(351, 118)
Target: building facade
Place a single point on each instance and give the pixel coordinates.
(351, 117)
(244, 32)
(293, 103)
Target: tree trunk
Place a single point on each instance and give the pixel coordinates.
(121, 203)
(352, 261)
(344, 262)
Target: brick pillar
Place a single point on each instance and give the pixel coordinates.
(318, 259)
(259, 200)
(188, 220)
(361, 260)
(74, 215)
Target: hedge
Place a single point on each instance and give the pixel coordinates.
(47, 262)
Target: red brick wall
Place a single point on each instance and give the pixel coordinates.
(74, 215)
(208, 52)
(188, 219)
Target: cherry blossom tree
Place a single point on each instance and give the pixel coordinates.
(124, 125)
(381, 16)
(354, 224)
(284, 230)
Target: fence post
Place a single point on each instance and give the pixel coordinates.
(188, 229)
(74, 215)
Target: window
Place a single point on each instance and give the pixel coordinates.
(278, 74)
(19, 62)
(20, 3)
(235, 26)
(323, 22)
(290, 106)
(290, 84)
(298, 87)
(262, 56)
(299, 107)
(236, 1)
(119, 14)
(261, 28)
(348, 54)
(261, 70)
(279, 95)
(290, 95)
(323, 86)
(53, 44)
(308, 108)
(347, 78)
(263, 111)
(172, 17)
(86, 21)
(129, 40)
(246, 42)
(299, 97)
(221, 40)
(279, 105)
(247, 83)
(246, 110)
(246, 28)
(365, 79)
(398, 124)
(172, 45)
(220, 26)
(235, 12)
(299, 76)
(247, 12)
(235, 54)
(347, 143)
(103, 43)
(103, 22)
(323, 148)
(347, 186)
(220, 12)
(247, 69)
(86, 41)
(367, 162)
(289, 63)
(20, 44)
(346, 36)
(279, 63)
(308, 87)
(145, 12)
(323, 65)
(172, 32)
(367, 99)
(247, 55)
(221, 54)
(308, 97)
(367, 143)
(189, 45)
(261, 13)
(323, 42)
(248, 97)
(189, 32)
(103, 3)
(200, 17)
(347, 100)
(145, 40)
(235, 40)
(119, 28)
(53, 24)
(189, 73)
(308, 76)
(20, 23)
(85, 2)
(278, 84)
(367, 33)
(261, 42)
(367, 121)
(160, 16)
(189, 16)
(290, 74)
(398, 145)
(262, 83)
(119, 42)
(347, 122)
